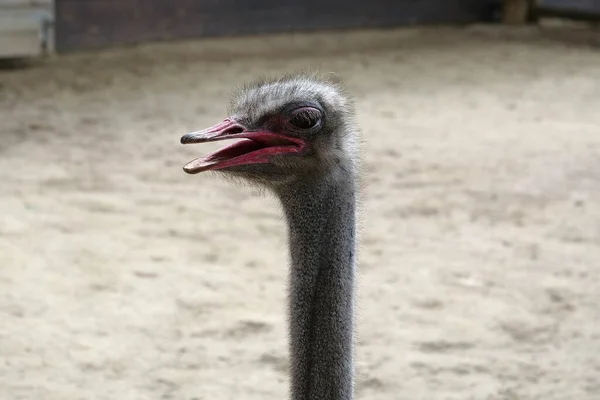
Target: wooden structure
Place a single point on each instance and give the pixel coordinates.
(34, 27)
(86, 24)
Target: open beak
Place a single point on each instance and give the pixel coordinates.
(254, 146)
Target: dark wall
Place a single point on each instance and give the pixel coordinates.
(85, 24)
(580, 9)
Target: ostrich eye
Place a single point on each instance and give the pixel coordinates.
(306, 118)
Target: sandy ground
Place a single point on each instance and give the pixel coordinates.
(123, 278)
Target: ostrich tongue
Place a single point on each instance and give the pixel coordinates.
(255, 147)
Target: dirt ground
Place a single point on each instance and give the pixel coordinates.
(121, 277)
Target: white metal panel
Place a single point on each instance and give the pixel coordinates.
(26, 28)
(25, 3)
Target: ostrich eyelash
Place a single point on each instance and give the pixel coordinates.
(305, 118)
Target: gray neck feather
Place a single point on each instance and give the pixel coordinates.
(322, 233)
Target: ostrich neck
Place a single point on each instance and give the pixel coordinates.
(321, 222)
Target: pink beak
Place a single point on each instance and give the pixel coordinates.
(258, 147)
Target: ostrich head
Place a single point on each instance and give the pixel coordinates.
(288, 129)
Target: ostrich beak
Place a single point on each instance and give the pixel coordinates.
(220, 131)
(256, 146)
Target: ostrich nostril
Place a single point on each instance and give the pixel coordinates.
(234, 130)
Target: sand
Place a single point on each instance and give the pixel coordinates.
(123, 278)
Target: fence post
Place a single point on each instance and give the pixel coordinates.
(515, 12)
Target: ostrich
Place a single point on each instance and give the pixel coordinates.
(299, 141)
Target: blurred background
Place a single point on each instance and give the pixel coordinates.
(121, 277)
